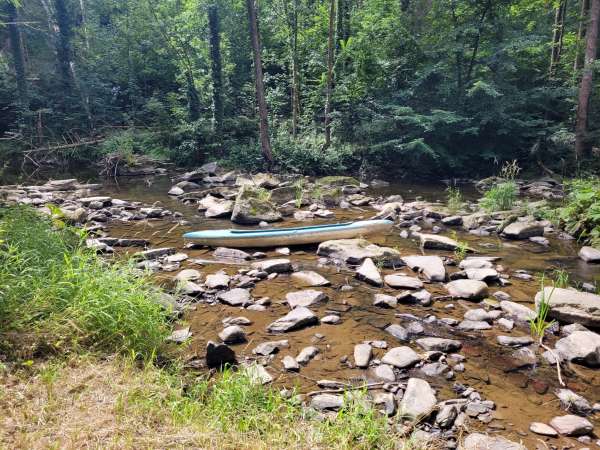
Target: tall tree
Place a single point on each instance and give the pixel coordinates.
(16, 47)
(585, 6)
(329, 81)
(557, 35)
(63, 44)
(265, 141)
(291, 13)
(214, 30)
(585, 88)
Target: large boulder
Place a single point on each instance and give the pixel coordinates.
(582, 347)
(572, 306)
(523, 230)
(252, 206)
(432, 267)
(355, 251)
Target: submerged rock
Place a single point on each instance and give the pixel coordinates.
(297, 318)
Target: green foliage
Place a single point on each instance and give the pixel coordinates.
(60, 295)
(580, 213)
(455, 199)
(538, 325)
(561, 278)
(500, 197)
(462, 248)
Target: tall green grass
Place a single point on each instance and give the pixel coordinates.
(58, 296)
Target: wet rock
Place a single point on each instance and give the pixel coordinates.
(384, 372)
(241, 320)
(452, 220)
(542, 429)
(385, 301)
(189, 288)
(572, 306)
(155, 253)
(398, 331)
(235, 297)
(369, 273)
(467, 289)
(514, 341)
(230, 253)
(98, 246)
(481, 314)
(399, 281)
(308, 297)
(522, 358)
(219, 208)
(297, 318)
(306, 354)
(252, 206)
(540, 240)
(176, 258)
(331, 319)
(362, 355)
(418, 400)
(589, 254)
(219, 355)
(322, 402)
(290, 364)
(273, 265)
(487, 275)
(437, 242)
(439, 344)
(176, 191)
(232, 335)
(506, 324)
(571, 425)
(339, 181)
(432, 267)
(446, 416)
(435, 369)
(476, 263)
(473, 325)
(309, 279)
(517, 311)
(218, 280)
(401, 357)
(355, 251)
(582, 347)
(572, 328)
(179, 336)
(103, 200)
(573, 402)
(386, 401)
(523, 230)
(479, 441)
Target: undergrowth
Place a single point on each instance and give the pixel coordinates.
(502, 196)
(59, 296)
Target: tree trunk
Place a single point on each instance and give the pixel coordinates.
(214, 29)
(476, 42)
(585, 6)
(404, 5)
(265, 142)
(585, 88)
(292, 22)
(192, 97)
(63, 44)
(329, 86)
(16, 47)
(557, 36)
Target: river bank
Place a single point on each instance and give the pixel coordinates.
(498, 382)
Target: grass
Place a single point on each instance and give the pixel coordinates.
(116, 403)
(462, 248)
(538, 325)
(58, 296)
(299, 192)
(561, 278)
(503, 196)
(455, 199)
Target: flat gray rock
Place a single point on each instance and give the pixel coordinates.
(419, 399)
(590, 254)
(476, 263)
(398, 331)
(233, 334)
(362, 355)
(323, 402)
(308, 297)
(385, 372)
(438, 242)
(308, 278)
(385, 301)
(355, 251)
(542, 429)
(514, 341)
(480, 314)
(467, 289)
(269, 348)
(479, 441)
(231, 253)
(432, 267)
(219, 280)
(523, 230)
(473, 325)
(573, 402)
(572, 306)
(582, 347)
(369, 273)
(439, 344)
(299, 317)
(571, 425)
(290, 364)
(273, 265)
(486, 275)
(235, 297)
(401, 357)
(517, 311)
(306, 354)
(399, 281)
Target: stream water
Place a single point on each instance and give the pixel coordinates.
(519, 394)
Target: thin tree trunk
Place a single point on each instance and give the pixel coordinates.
(476, 42)
(292, 22)
(585, 88)
(458, 54)
(265, 142)
(329, 86)
(214, 28)
(63, 44)
(84, 23)
(16, 47)
(585, 6)
(557, 36)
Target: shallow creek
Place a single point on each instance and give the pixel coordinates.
(487, 363)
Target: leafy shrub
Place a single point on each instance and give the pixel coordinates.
(60, 294)
(455, 198)
(500, 197)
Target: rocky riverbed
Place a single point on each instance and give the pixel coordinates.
(431, 336)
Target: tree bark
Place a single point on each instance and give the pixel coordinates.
(557, 36)
(63, 44)
(329, 86)
(265, 142)
(214, 29)
(585, 6)
(16, 47)
(476, 42)
(585, 88)
(292, 23)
